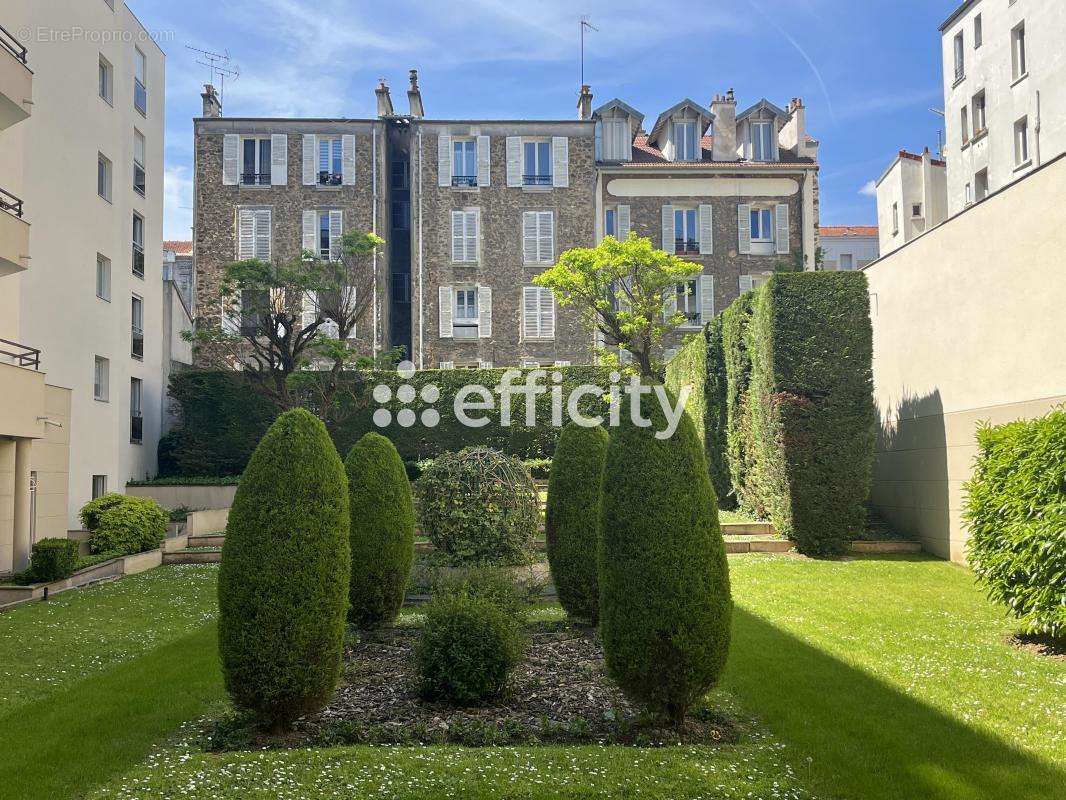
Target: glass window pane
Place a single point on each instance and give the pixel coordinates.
(264, 156)
(609, 226)
(544, 159)
(531, 158)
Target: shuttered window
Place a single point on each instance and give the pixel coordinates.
(253, 234)
(616, 144)
(538, 237)
(538, 313)
(465, 235)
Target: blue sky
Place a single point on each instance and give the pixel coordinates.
(868, 71)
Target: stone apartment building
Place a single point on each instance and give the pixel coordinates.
(472, 210)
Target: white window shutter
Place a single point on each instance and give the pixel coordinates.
(560, 161)
(706, 290)
(747, 283)
(471, 226)
(669, 245)
(446, 365)
(547, 313)
(546, 237)
(562, 363)
(782, 237)
(348, 159)
(245, 234)
(336, 232)
(262, 234)
(231, 157)
(484, 364)
(484, 312)
(458, 242)
(446, 297)
(530, 312)
(706, 230)
(231, 319)
(621, 222)
(444, 160)
(310, 231)
(310, 160)
(484, 161)
(529, 237)
(514, 161)
(744, 228)
(279, 159)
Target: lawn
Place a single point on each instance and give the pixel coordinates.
(854, 679)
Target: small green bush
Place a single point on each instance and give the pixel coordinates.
(53, 559)
(479, 506)
(495, 584)
(573, 518)
(665, 604)
(469, 647)
(124, 524)
(382, 531)
(1016, 512)
(283, 581)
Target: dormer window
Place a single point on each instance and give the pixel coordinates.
(686, 141)
(762, 141)
(616, 144)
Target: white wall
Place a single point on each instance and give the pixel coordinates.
(908, 182)
(862, 249)
(1041, 96)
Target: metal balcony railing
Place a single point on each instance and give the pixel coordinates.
(537, 180)
(138, 260)
(136, 427)
(327, 178)
(20, 354)
(10, 204)
(137, 342)
(464, 180)
(12, 45)
(686, 246)
(255, 178)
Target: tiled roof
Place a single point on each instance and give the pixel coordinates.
(646, 154)
(847, 230)
(179, 247)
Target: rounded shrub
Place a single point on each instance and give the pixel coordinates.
(469, 646)
(53, 559)
(665, 604)
(573, 518)
(479, 506)
(382, 531)
(123, 524)
(283, 581)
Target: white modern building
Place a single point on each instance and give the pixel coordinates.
(911, 199)
(847, 247)
(86, 168)
(1004, 93)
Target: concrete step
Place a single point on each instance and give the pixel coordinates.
(747, 529)
(212, 556)
(207, 539)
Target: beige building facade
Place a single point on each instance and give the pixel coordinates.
(912, 198)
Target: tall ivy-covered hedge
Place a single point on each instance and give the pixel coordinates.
(812, 413)
(283, 581)
(1016, 512)
(739, 442)
(665, 603)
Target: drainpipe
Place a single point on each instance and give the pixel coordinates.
(421, 300)
(374, 227)
(1036, 130)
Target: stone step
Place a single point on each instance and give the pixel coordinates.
(212, 556)
(207, 539)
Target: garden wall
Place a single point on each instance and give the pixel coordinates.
(968, 326)
(194, 497)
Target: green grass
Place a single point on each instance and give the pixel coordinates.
(734, 516)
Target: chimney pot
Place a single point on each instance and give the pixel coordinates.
(414, 96)
(212, 105)
(384, 100)
(584, 102)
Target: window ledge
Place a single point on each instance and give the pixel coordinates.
(109, 102)
(537, 189)
(538, 339)
(1024, 165)
(256, 186)
(979, 136)
(959, 81)
(1019, 79)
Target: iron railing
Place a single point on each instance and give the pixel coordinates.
(11, 204)
(20, 354)
(255, 178)
(537, 180)
(138, 260)
(464, 180)
(136, 427)
(12, 45)
(686, 246)
(327, 178)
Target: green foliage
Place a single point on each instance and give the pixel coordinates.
(740, 445)
(123, 524)
(283, 581)
(479, 506)
(53, 559)
(1016, 513)
(382, 531)
(166, 451)
(469, 647)
(572, 523)
(190, 480)
(665, 604)
(495, 584)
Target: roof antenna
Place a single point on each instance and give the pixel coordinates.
(584, 24)
(217, 64)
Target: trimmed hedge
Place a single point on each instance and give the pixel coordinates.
(572, 521)
(740, 445)
(665, 604)
(53, 559)
(382, 533)
(283, 581)
(193, 480)
(119, 523)
(1016, 513)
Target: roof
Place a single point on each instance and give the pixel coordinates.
(178, 247)
(660, 123)
(958, 12)
(936, 162)
(845, 231)
(762, 105)
(616, 103)
(645, 154)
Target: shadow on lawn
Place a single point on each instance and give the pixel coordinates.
(867, 740)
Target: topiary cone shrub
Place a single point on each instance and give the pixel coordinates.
(283, 581)
(573, 518)
(665, 604)
(382, 531)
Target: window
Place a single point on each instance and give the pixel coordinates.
(1017, 42)
(537, 163)
(101, 368)
(330, 158)
(464, 162)
(965, 125)
(960, 58)
(538, 237)
(981, 185)
(138, 162)
(255, 162)
(103, 277)
(610, 222)
(762, 225)
(465, 235)
(103, 176)
(688, 299)
(399, 179)
(99, 486)
(253, 234)
(107, 81)
(140, 92)
(978, 32)
(762, 141)
(137, 327)
(969, 194)
(895, 219)
(401, 215)
(916, 210)
(616, 143)
(1021, 142)
(465, 319)
(978, 114)
(136, 418)
(686, 231)
(686, 141)
(538, 313)
(847, 261)
(138, 245)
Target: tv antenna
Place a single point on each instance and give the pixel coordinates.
(585, 24)
(217, 64)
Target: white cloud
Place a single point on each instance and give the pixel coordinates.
(177, 203)
(869, 189)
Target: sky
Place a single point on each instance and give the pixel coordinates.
(869, 72)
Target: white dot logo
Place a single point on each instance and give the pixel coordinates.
(406, 395)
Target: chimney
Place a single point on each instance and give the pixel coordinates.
(414, 97)
(927, 184)
(212, 105)
(584, 103)
(725, 127)
(797, 127)
(384, 100)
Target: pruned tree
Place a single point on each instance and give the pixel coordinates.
(626, 293)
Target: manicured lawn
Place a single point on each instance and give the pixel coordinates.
(734, 516)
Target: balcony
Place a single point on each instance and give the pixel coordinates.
(138, 260)
(137, 342)
(536, 180)
(464, 180)
(686, 247)
(14, 235)
(136, 427)
(23, 386)
(16, 81)
(255, 179)
(19, 354)
(327, 178)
